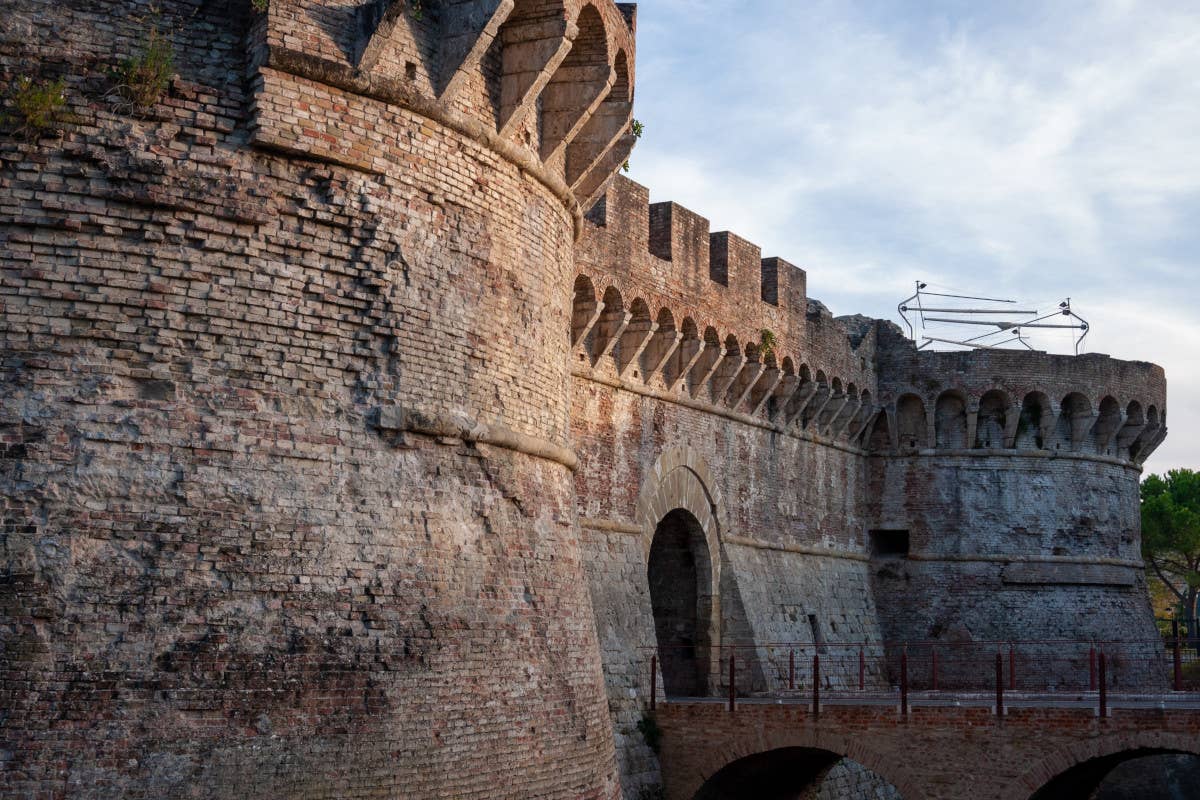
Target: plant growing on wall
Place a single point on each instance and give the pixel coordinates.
(37, 106)
(637, 129)
(143, 79)
(1171, 533)
(767, 343)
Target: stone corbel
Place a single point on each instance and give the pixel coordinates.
(580, 334)
(613, 336)
(532, 52)
(779, 396)
(1012, 422)
(633, 342)
(705, 367)
(744, 383)
(682, 361)
(799, 401)
(762, 390)
(470, 30)
(661, 347)
(844, 417)
(731, 366)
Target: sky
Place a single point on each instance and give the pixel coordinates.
(1033, 150)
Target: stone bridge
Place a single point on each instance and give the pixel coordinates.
(950, 748)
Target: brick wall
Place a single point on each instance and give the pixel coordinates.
(282, 381)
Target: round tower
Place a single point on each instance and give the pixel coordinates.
(1005, 510)
(288, 506)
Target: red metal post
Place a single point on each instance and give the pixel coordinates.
(1012, 669)
(1103, 686)
(999, 686)
(732, 681)
(904, 682)
(791, 669)
(653, 681)
(1092, 669)
(816, 685)
(933, 667)
(1178, 657)
(862, 670)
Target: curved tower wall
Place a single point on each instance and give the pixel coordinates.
(288, 498)
(1014, 477)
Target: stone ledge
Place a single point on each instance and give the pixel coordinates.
(442, 425)
(1069, 574)
(806, 550)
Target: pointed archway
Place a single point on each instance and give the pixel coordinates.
(681, 516)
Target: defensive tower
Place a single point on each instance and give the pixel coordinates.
(288, 498)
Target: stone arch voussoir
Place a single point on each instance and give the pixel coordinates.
(680, 478)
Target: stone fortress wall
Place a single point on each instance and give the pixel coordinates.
(847, 488)
(343, 455)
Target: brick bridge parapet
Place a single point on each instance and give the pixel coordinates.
(948, 752)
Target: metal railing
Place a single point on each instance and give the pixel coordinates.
(886, 671)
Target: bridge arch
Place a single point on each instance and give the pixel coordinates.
(782, 764)
(1075, 772)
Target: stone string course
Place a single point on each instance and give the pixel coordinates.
(334, 437)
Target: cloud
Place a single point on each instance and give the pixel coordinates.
(1027, 149)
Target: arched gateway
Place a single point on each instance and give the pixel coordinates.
(679, 515)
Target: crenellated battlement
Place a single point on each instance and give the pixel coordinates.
(1009, 401)
(663, 302)
(668, 306)
(548, 84)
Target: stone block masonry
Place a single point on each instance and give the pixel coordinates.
(345, 393)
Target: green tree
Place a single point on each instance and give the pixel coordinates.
(1171, 533)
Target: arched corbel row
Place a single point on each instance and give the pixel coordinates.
(741, 378)
(998, 422)
(547, 84)
(613, 333)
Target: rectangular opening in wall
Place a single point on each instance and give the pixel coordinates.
(889, 544)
